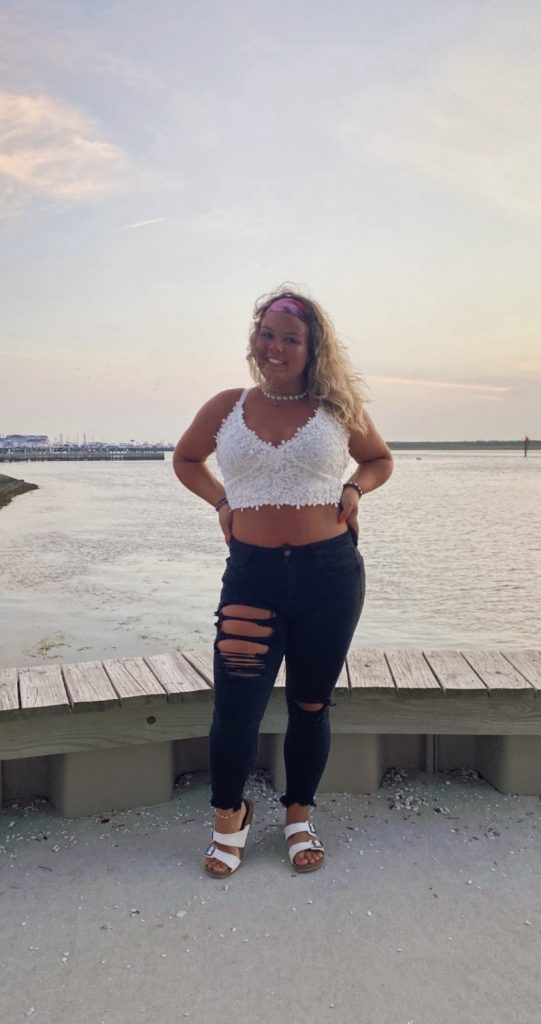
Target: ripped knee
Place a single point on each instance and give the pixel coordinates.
(242, 656)
(309, 712)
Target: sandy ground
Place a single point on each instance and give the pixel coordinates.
(428, 912)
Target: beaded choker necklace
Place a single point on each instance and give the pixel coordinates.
(275, 397)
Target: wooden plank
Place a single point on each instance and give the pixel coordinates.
(497, 673)
(431, 714)
(203, 663)
(369, 671)
(9, 693)
(397, 675)
(38, 735)
(178, 676)
(133, 681)
(42, 689)
(89, 687)
(411, 673)
(35, 735)
(529, 664)
(342, 683)
(453, 673)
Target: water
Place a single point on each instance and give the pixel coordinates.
(115, 559)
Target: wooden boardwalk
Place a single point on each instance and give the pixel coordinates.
(122, 719)
(177, 676)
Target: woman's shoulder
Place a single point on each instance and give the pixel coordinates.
(227, 397)
(224, 402)
(218, 408)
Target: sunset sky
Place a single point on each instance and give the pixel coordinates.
(162, 165)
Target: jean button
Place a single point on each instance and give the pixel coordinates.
(287, 552)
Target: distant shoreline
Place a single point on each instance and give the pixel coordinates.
(515, 446)
(107, 452)
(10, 487)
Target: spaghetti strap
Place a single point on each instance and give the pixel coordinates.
(243, 396)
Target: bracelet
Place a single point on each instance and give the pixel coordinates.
(355, 486)
(219, 504)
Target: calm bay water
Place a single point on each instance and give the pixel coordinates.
(114, 559)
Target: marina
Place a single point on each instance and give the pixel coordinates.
(111, 455)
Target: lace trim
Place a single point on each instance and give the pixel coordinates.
(270, 444)
(240, 401)
(287, 504)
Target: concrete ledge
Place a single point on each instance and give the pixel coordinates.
(88, 782)
(356, 764)
(115, 779)
(136, 774)
(512, 764)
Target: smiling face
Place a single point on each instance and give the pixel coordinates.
(281, 351)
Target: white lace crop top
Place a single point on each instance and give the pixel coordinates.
(306, 470)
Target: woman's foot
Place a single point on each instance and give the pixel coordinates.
(294, 814)
(225, 821)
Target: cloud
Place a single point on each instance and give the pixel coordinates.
(528, 366)
(146, 223)
(53, 151)
(469, 124)
(487, 390)
(35, 35)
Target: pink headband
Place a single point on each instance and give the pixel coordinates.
(293, 306)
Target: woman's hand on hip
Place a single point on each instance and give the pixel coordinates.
(225, 515)
(348, 509)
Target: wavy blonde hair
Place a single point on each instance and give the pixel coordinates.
(331, 380)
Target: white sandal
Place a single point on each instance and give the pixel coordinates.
(310, 844)
(237, 839)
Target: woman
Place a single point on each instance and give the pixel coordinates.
(294, 583)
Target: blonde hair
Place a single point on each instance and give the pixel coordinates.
(331, 380)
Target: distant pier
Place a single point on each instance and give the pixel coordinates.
(82, 455)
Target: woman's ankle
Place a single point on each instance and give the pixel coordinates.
(226, 819)
(298, 812)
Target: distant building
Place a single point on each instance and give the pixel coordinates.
(24, 441)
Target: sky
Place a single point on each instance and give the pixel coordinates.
(162, 165)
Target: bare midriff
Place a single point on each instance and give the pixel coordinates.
(270, 527)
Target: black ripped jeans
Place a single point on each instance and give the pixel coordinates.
(306, 603)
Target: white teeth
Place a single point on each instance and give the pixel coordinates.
(277, 362)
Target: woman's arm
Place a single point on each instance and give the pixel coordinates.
(373, 457)
(198, 442)
(375, 465)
